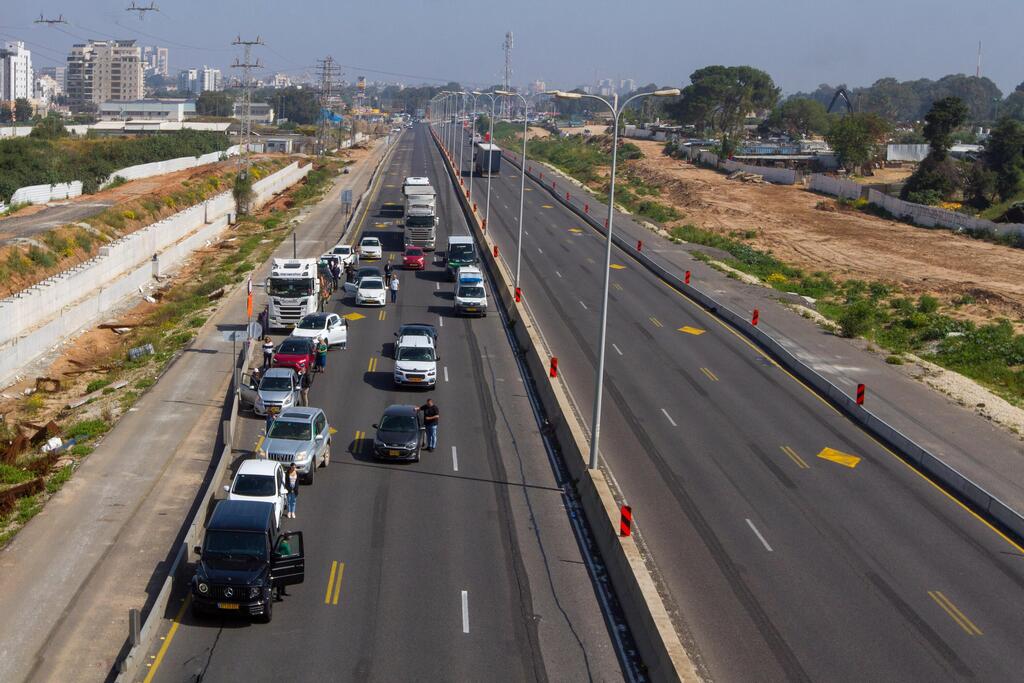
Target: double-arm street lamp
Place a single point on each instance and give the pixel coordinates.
(616, 110)
(490, 137)
(522, 174)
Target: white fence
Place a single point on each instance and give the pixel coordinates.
(906, 152)
(43, 315)
(779, 176)
(932, 217)
(42, 194)
(170, 165)
(837, 187)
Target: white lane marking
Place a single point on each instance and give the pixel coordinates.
(759, 536)
(440, 321)
(669, 417)
(616, 349)
(465, 612)
(584, 306)
(558, 274)
(540, 250)
(446, 373)
(455, 459)
(437, 285)
(527, 232)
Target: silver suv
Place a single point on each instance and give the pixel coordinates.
(278, 389)
(302, 436)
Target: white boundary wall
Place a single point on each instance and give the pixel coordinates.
(43, 194)
(837, 187)
(779, 176)
(932, 217)
(44, 315)
(170, 165)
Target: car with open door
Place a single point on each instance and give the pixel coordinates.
(330, 325)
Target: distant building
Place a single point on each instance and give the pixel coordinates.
(281, 81)
(261, 112)
(57, 73)
(15, 71)
(104, 71)
(147, 110)
(47, 89)
(626, 85)
(154, 61)
(537, 86)
(196, 81)
(606, 87)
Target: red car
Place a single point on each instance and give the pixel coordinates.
(414, 259)
(297, 353)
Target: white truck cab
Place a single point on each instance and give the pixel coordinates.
(293, 291)
(470, 294)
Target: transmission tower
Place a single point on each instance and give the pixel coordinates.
(246, 66)
(507, 83)
(327, 72)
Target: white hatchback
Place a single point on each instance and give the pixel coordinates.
(370, 248)
(330, 325)
(261, 481)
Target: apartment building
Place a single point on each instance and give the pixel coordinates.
(15, 72)
(104, 71)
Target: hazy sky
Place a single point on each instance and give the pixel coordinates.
(801, 43)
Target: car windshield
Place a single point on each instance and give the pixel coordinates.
(371, 242)
(372, 284)
(294, 346)
(398, 423)
(313, 322)
(414, 252)
(460, 251)
(471, 292)
(419, 354)
(286, 429)
(275, 384)
(253, 485)
(343, 251)
(290, 287)
(369, 272)
(420, 221)
(235, 545)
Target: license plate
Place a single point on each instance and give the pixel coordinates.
(415, 379)
(471, 309)
(394, 453)
(227, 605)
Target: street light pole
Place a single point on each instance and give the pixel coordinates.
(472, 135)
(490, 138)
(522, 178)
(616, 111)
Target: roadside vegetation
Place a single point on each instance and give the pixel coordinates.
(184, 305)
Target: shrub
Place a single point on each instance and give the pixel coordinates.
(927, 304)
(857, 319)
(96, 385)
(41, 257)
(87, 429)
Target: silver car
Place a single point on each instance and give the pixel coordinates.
(278, 388)
(301, 436)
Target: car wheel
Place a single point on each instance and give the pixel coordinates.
(308, 479)
(327, 456)
(268, 609)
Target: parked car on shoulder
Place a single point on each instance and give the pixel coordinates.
(261, 481)
(278, 388)
(301, 436)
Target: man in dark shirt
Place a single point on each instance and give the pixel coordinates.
(431, 415)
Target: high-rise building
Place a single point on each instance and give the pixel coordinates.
(57, 73)
(626, 85)
(209, 79)
(15, 71)
(606, 87)
(154, 61)
(195, 81)
(282, 80)
(104, 71)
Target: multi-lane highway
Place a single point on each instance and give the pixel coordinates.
(788, 543)
(464, 566)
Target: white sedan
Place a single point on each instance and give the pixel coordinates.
(330, 325)
(370, 248)
(371, 292)
(346, 253)
(261, 481)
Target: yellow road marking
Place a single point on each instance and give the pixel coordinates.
(337, 586)
(528, 189)
(383, 314)
(955, 614)
(795, 457)
(695, 331)
(357, 441)
(617, 286)
(372, 365)
(616, 266)
(575, 230)
(259, 442)
(353, 316)
(838, 457)
(330, 582)
(167, 640)
(710, 375)
(391, 257)
(657, 323)
(546, 206)
(332, 431)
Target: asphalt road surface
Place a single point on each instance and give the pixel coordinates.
(780, 560)
(461, 567)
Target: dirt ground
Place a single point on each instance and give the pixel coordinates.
(813, 232)
(594, 128)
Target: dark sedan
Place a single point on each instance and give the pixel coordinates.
(398, 434)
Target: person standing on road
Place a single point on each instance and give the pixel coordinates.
(393, 286)
(268, 351)
(387, 270)
(264, 319)
(321, 354)
(431, 416)
(305, 381)
(350, 273)
(335, 273)
(291, 487)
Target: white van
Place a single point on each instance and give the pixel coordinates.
(470, 294)
(415, 361)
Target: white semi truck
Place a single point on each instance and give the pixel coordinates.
(420, 213)
(293, 290)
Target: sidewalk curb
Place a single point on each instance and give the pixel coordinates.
(988, 507)
(660, 647)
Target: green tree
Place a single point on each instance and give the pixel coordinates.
(719, 98)
(853, 138)
(242, 192)
(22, 110)
(6, 113)
(798, 116)
(937, 177)
(1004, 157)
(979, 184)
(49, 128)
(483, 124)
(214, 103)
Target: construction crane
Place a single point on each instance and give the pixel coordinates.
(43, 20)
(142, 9)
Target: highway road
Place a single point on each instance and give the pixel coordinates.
(789, 544)
(464, 566)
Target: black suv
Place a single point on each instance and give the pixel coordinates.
(243, 559)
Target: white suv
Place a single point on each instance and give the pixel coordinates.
(415, 361)
(370, 248)
(261, 481)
